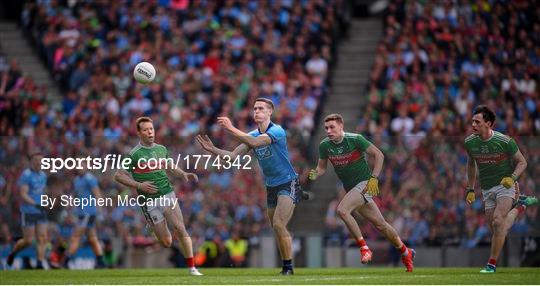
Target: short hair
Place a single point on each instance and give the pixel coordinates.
(35, 154)
(334, 117)
(142, 120)
(486, 112)
(265, 100)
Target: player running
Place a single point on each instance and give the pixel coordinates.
(346, 153)
(34, 219)
(152, 183)
(86, 186)
(269, 143)
(492, 153)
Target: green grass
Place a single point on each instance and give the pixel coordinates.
(269, 276)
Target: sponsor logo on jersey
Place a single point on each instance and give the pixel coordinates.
(490, 158)
(263, 152)
(345, 159)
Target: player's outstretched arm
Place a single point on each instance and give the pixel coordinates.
(471, 180)
(320, 170)
(179, 173)
(209, 146)
(125, 179)
(242, 136)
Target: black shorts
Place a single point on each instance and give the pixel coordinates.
(291, 189)
(87, 221)
(34, 218)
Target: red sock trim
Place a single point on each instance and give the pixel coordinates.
(361, 243)
(190, 262)
(492, 261)
(520, 209)
(403, 249)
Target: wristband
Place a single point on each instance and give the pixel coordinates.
(470, 191)
(375, 177)
(514, 177)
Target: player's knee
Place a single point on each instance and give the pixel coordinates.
(279, 226)
(166, 241)
(380, 226)
(343, 213)
(76, 237)
(497, 222)
(180, 230)
(42, 239)
(92, 238)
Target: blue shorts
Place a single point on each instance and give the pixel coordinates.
(34, 218)
(86, 221)
(290, 189)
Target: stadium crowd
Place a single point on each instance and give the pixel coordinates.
(212, 58)
(436, 62)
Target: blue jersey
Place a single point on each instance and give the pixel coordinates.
(84, 184)
(274, 158)
(36, 182)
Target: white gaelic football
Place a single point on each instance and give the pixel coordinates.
(144, 72)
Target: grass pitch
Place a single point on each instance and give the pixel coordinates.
(269, 276)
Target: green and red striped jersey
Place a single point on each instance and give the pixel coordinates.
(143, 169)
(348, 158)
(493, 157)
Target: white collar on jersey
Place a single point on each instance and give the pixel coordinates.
(153, 144)
(492, 133)
(342, 138)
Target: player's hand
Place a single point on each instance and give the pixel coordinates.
(470, 196)
(372, 187)
(205, 143)
(147, 187)
(190, 177)
(225, 122)
(507, 182)
(313, 175)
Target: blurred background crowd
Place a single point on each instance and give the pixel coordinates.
(436, 61)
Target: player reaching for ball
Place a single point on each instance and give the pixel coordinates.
(492, 153)
(269, 143)
(152, 182)
(346, 152)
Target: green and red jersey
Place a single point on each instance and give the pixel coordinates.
(348, 158)
(493, 157)
(154, 172)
